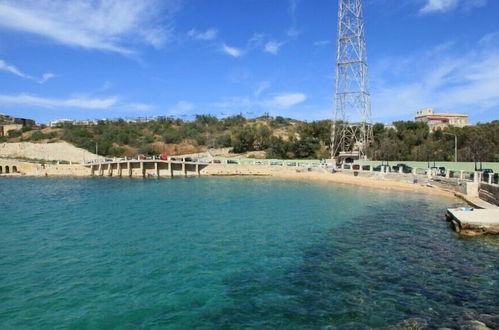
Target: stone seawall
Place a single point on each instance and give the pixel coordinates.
(64, 170)
(489, 193)
(15, 167)
(10, 167)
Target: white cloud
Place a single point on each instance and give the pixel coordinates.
(209, 34)
(278, 104)
(45, 77)
(286, 100)
(256, 40)
(293, 5)
(234, 103)
(232, 51)
(137, 106)
(446, 79)
(76, 102)
(470, 4)
(107, 85)
(322, 43)
(181, 108)
(489, 40)
(442, 6)
(293, 31)
(12, 69)
(261, 87)
(4, 66)
(112, 25)
(433, 6)
(272, 47)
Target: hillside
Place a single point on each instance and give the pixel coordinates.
(59, 151)
(265, 137)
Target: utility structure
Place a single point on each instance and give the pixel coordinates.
(351, 131)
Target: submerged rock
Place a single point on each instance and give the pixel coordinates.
(410, 324)
(352, 326)
(492, 321)
(474, 325)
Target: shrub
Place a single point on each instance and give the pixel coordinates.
(147, 150)
(171, 135)
(38, 135)
(201, 140)
(15, 133)
(223, 141)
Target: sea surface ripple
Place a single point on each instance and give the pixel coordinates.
(235, 253)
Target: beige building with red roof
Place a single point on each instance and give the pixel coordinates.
(440, 120)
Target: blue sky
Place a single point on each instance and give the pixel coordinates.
(128, 58)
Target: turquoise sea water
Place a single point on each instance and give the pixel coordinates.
(234, 253)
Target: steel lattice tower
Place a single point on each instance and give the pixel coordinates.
(351, 127)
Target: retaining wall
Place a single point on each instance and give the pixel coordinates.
(489, 193)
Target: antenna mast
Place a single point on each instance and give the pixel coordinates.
(351, 127)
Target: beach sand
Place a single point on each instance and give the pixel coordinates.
(347, 178)
(374, 183)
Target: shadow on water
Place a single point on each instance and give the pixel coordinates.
(381, 271)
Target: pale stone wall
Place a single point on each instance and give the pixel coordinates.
(34, 169)
(64, 170)
(9, 166)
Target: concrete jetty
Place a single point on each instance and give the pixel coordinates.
(481, 218)
(471, 222)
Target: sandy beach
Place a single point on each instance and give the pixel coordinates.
(289, 173)
(349, 179)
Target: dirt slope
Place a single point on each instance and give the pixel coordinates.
(46, 151)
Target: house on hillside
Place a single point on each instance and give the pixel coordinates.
(440, 120)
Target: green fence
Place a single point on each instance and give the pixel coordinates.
(453, 166)
(251, 161)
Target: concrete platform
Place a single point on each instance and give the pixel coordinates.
(475, 222)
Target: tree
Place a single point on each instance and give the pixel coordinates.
(262, 137)
(243, 140)
(223, 141)
(278, 148)
(305, 147)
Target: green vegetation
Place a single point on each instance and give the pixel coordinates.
(37, 136)
(278, 137)
(412, 141)
(14, 133)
